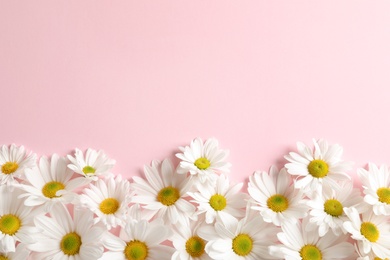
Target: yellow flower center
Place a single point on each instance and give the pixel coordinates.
(50, 189)
(217, 202)
(109, 206)
(202, 163)
(310, 252)
(9, 224)
(9, 167)
(318, 168)
(384, 195)
(3, 257)
(70, 244)
(369, 231)
(277, 203)
(89, 170)
(242, 244)
(195, 246)
(168, 195)
(377, 258)
(333, 207)
(136, 250)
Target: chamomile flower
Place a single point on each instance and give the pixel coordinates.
(248, 238)
(221, 201)
(326, 208)
(163, 193)
(298, 243)
(363, 256)
(94, 164)
(376, 184)
(372, 232)
(21, 252)
(187, 242)
(318, 167)
(203, 160)
(13, 163)
(275, 196)
(139, 240)
(109, 200)
(51, 183)
(65, 237)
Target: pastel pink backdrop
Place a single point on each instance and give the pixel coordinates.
(140, 78)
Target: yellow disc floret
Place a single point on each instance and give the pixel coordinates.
(136, 250)
(70, 244)
(195, 246)
(217, 202)
(9, 224)
(277, 203)
(383, 195)
(9, 167)
(3, 257)
(202, 163)
(168, 195)
(318, 168)
(109, 206)
(242, 245)
(333, 207)
(369, 231)
(310, 252)
(50, 189)
(89, 170)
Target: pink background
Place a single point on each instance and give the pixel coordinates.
(140, 78)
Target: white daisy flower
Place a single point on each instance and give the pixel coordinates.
(16, 220)
(164, 192)
(187, 242)
(21, 252)
(376, 184)
(95, 163)
(275, 196)
(360, 255)
(326, 208)
(248, 238)
(222, 201)
(109, 199)
(65, 237)
(51, 183)
(372, 232)
(318, 167)
(139, 240)
(14, 162)
(203, 160)
(298, 243)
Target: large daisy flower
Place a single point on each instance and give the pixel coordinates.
(13, 163)
(203, 160)
(139, 240)
(51, 183)
(164, 193)
(109, 199)
(318, 167)
(300, 244)
(65, 237)
(326, 208)
(372, 232)
(221, 201)
(16, 220)
(248, 238)
(275, 196)
(94, 164)
(376, 184)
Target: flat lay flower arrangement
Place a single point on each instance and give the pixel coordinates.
(74, 207)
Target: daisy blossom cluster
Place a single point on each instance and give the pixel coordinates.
(75, 207)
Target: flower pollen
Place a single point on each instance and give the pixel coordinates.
(9, 167)
(242, 244)
(136, 250)
(333, 207)
(202, 163)
(195, 246)
(168, 195)
(50, 189)
(310, 252)
(217, 202)
(318, 168)
(369, 231)
(109, 206)
(384, 195)
(277, 203)
(9, 224)
(70, 244)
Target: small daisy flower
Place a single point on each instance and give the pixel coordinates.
(164, 192)
(13, 163)
(21, 252)
(376, 184)
(139, 240)
(326, 209)
(109, 200)
(371, 232)
(248, 238)
(300, 244)
(363, 256)
(16, 220)
(203, 160)
(65, 237)
(95, 163)
(275, 196)
(223, 201)
(318, 167)
(51, 183)
(187, 242)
